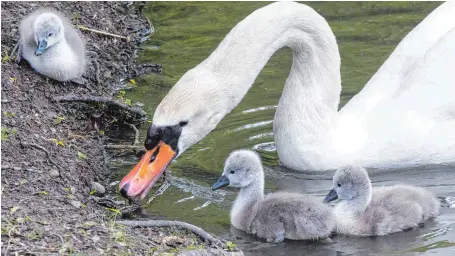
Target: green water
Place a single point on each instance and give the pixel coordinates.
(187, 32)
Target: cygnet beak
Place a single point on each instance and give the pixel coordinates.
(222, 182)
(42, 45)
(331, 196)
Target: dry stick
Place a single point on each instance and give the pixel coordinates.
(16, 47)
(174, 223)
(43, 149)
(136, 134)
(113, 146)
(98, 99)
(101, 32)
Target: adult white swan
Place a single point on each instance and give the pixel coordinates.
(405, 115)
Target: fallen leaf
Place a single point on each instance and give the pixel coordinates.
(59, 119)
(81, 155)
(58, 142)
(43, 222)
(6, 58)
(13, 210)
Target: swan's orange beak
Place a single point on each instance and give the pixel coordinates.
(143, 176)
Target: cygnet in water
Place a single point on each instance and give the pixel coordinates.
(51, 45)
(276, 216)
(365, 211)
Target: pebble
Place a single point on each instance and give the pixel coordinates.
(76, 204)
(100, 190)
(95, 238)
(54, 173)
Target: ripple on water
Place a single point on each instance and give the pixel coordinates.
(253, 125)
(251, 110)
(266, 146)
(199, 191)
(449, 201)
(261, 135)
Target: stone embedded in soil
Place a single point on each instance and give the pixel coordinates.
(76, 204)
(54, 173)
(98, 188)
(174, 241)
(95, 238)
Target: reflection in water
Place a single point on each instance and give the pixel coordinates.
(366, 33)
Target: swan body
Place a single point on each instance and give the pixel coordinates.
(404, 116)
(367, 211)
(51, 45)
(276, 216)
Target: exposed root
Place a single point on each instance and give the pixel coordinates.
(42, 149)
(81, 27)
(100, 99)
(136, 134)
(173, 223)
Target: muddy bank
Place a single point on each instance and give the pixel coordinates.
(53, 137)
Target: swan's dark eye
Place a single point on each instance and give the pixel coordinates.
(183, 123)
(339, 185)
(232, 171)
(50, 34)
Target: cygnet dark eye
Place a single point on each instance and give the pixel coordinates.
(183, 123)
(50, 34)
(339, 185)
(232, 171)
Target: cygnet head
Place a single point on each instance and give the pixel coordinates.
(241, 169)
(350, 183)
(48, 30)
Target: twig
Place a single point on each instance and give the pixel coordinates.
(81, 27)
(42, 149)
(17, 168)
(100, 99)
(16, 48)
(115, 146)
(174, 223)
(136, 134)
(97, 72)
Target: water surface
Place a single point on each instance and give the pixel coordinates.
(367, 32)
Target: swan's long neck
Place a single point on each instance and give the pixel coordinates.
(309, 103)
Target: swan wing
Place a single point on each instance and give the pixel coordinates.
(395, 74)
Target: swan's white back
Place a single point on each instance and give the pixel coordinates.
(405, 115)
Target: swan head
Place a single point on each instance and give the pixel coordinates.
(191, 109)
(349, 183)
(241, 169)
(48, 31)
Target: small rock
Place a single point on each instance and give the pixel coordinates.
(54, 173)
(173, 241)
(100, 190)
(53, 130)
(107, 74)
(95, 238)
(114, 183)
(76, 204)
